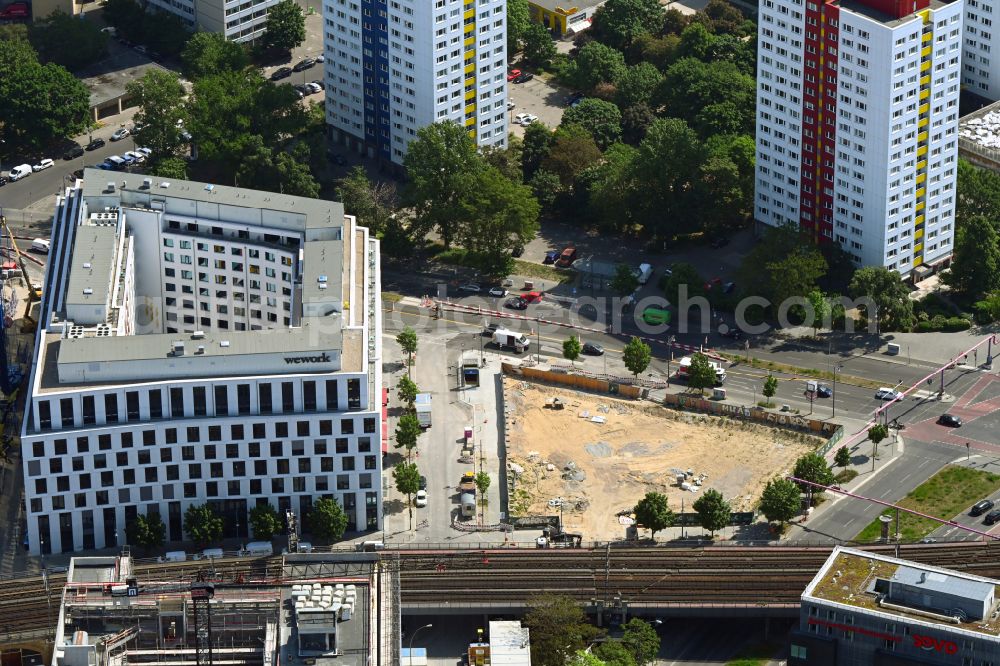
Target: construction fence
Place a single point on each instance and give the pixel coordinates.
(574, 381)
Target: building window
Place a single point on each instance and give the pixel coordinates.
(799, 652)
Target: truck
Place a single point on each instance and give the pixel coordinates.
(685, 367)
(468, 483)
(645, 272)
(423, 406)
(507, 339)
(467, 497)
(470, 368)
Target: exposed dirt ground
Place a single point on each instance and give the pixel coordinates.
(602, 469)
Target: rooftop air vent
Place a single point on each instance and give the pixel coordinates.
(209, 188)
(198, 335)
(321, 278)
(147, 183)
(88, 291)
(86, 264)
(179, 348)
(224, 343)
(200, 350)
(111, 186)
(165, 184)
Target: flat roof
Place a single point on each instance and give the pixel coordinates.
(325, 284)
(863, 9)
(848, 574)
(92, 260)
(941, 583)
(567, 7)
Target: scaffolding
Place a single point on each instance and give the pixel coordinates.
(201, 598)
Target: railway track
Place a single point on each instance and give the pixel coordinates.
(728, 575)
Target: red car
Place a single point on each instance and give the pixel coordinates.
(714, 282)
(532, 297)
(513, 74)
(17, 10)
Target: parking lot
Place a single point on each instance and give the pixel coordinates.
(538, 97)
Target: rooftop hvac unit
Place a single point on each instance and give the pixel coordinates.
(179, 348)
(147, 183)
(200, 350)
(198, 335)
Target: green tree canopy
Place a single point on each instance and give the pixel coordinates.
(209, 53)
(407, 432)
(602, 120)
(372, 203)
(610, 188)
(407, 478)
(683, 275)
(286, 27)
(518, 22)
(691, 85)
(41, 103)
(636, 121)
(813, 467)
(584, 658)
(780, 501)
(637, 85)
(572, 150)
(618, 23)
(160, 97)
(877, 433)
(539, 49)
(653, 513)
(407, 341)
(146, 531)
(559, 628)
(701, 374)
(167, 167)
(641, 640)
(637, 356)
(770, 386)
(406, 391)
(285, 171)
(327, 519)
(713, 510)
(977, 193)
(595, 63)
(625, 280)
(842, 457)
(202, 524)
(820, 307)
(888, 293)
(793, 265)
(535, 148)
(265, 522)
(127, 16)
(483, 482)
(975, 266)
(68, 41)
(572, 348)
(613, 653)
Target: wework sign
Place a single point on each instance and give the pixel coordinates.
(294, 360)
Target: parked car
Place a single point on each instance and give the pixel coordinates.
(566, 258)
(550, 257)
(489, 329)
(574, 98)
(421, 498)
(120, 134)
(95, 144)
(516, 303)
(517, 251)
(42, 165)
(523, 77)
(498, 292)
(314, 88)
(950, 420)
(281, 73)
(304, 64)
(127, 159)
(711, 284)
(73, 152)
(992, 517)
(19, 172)
(593, 349)
(470, 288)
(513, 74)
(136, 156)
(532, 297)
(15, 11)
(3, 180)
(885, 393)
(823, 391)
(320, 58)
(527, 119)
(423, 482)
(981, 507)
(510, 105)
(146, 152)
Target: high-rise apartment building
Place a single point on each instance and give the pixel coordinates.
(200, 344)
(394, 66)
(238, 20)
(857, 125)
(981, 49)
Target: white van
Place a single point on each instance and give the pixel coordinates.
(40, 245)
(211, 553)
(19, 172)
(258, 548)
(645, 272)
(174, 556)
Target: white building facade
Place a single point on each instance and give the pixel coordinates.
(857, 125)
(136, 409)
(238, 20)
(395, 66)
(981, 49)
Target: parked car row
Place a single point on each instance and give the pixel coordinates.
(125, 160)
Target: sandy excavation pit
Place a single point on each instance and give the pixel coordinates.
(599, 470)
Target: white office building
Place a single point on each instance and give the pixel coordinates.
(395, 66)
(981, 49)
(857, 125)
(238, 20)
(198, 344)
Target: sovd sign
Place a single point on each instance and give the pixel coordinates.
(931, 643)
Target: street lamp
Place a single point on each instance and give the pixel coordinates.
(412, 636)
(670, 355)
(837, 368)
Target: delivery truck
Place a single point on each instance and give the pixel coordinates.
(423, 406)
(507, 339)
(685, 368)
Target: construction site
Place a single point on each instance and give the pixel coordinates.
(590, 457)
(321, 609)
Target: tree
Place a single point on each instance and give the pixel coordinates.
(975, 265)
(539, 49)
(407, 478)
(372, 203)
(202, 524)
(701, 374)
(636, 121)
(534, 148)
(286, 27)
(558, 627)
(795, 274)
(407, 432)
(723, 18)
(66, 40)
(820, 308)
(696, 41)
(888, 295)
(641, 639)
(683, 275)
(812, 467)
(691, 84)
(613, 653)
(977, 193)
(265, 522)
(653, 513)
(625, 280)
(602, 120)
(208, 53)
(594, 64)
(327, 519)
(407, 341)
(441, 166)
(285, 171)
(41, 103)
(584, 658)
(518, 22)
(147, 531)
(545, 186)
(619, 22)
(407, 391)
(164, 33)
(637, 355)
(770, 388)
(572, 150)
(637, 85)
(792, 264)
(572, 349)
(483, 484)
(162, 111)
(713, 510)
(780, 500)
(127, 16)
(842, 457)
(168, 167)
(497, 216)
